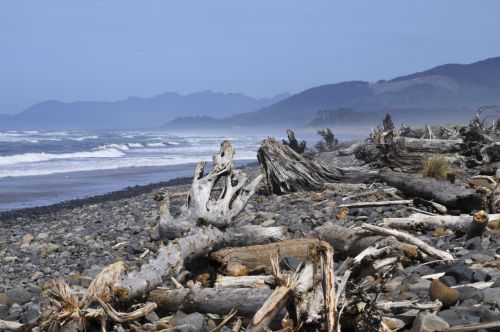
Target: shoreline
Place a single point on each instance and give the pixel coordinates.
(114, 195)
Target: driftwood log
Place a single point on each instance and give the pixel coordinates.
(440, 191)
(429, 145)
(200, 238)
(171, 258)
(210, 300)
(286, 171)
(352, 241)
(464, 224)
(240, 261)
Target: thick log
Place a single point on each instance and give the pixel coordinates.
(462, 225)
(429, 145)
(286, 171)
(170, 259)
(441, 191)
(240, 261)
(210, 300)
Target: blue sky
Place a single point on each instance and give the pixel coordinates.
(112, 49)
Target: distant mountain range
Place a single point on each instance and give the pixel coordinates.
(449, 93)
(133, 112)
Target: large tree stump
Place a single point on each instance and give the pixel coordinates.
(286, 171)
(201, 204)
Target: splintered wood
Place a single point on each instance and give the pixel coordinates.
(242, 260)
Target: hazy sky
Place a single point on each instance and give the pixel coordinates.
(112, 49)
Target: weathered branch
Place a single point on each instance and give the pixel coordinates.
(410, 239)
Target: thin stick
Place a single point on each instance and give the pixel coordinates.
(225, 320)
(379, 203)
(410, 239)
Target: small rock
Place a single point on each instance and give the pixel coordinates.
(491, 295)
(443, 293)
(27, 238)
(427, 322)
(135, 248)
(267, 223)
(30, 315)
(85, 281)
(18, 295)
(152, 318)
(4, 311)
(461, 273)
(42, 236)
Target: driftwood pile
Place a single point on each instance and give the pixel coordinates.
(267, 281)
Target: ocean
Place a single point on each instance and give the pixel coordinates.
(45, 167)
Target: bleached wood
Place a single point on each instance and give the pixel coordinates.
(219, 212)
(244, 281)
(286, 171)
(170, 259)
(10, 326)
(378, 203)
(410, 239)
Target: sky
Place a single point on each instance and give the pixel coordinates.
(112, 49)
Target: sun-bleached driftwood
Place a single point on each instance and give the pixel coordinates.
(390, 306)
(410, 239)
(378, 203)
(344, 186)
(287, 285)
(463, 224)
(350, 150)
(286, 171)
(241, 260)
(10, 326)
(352, 241)
(318, 269)
(429, 145)
(495, 199)
(440, 191)
(210, 300)
(200, 203)
(474, 327)
(244, 281)
(171, 258)
(436, 206)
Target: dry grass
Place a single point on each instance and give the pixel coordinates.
(436, 167)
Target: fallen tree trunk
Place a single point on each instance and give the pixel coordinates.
(352, 241)
(463, 225)
(170, 259)
(210, 300)
(242, 260)
(441, 191)
(286, 171)
(429, 145)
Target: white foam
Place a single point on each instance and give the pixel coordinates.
(156, 145)
(173, 143)
(83, 138)
(135, 145)
(123, 147)
(38, 157)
